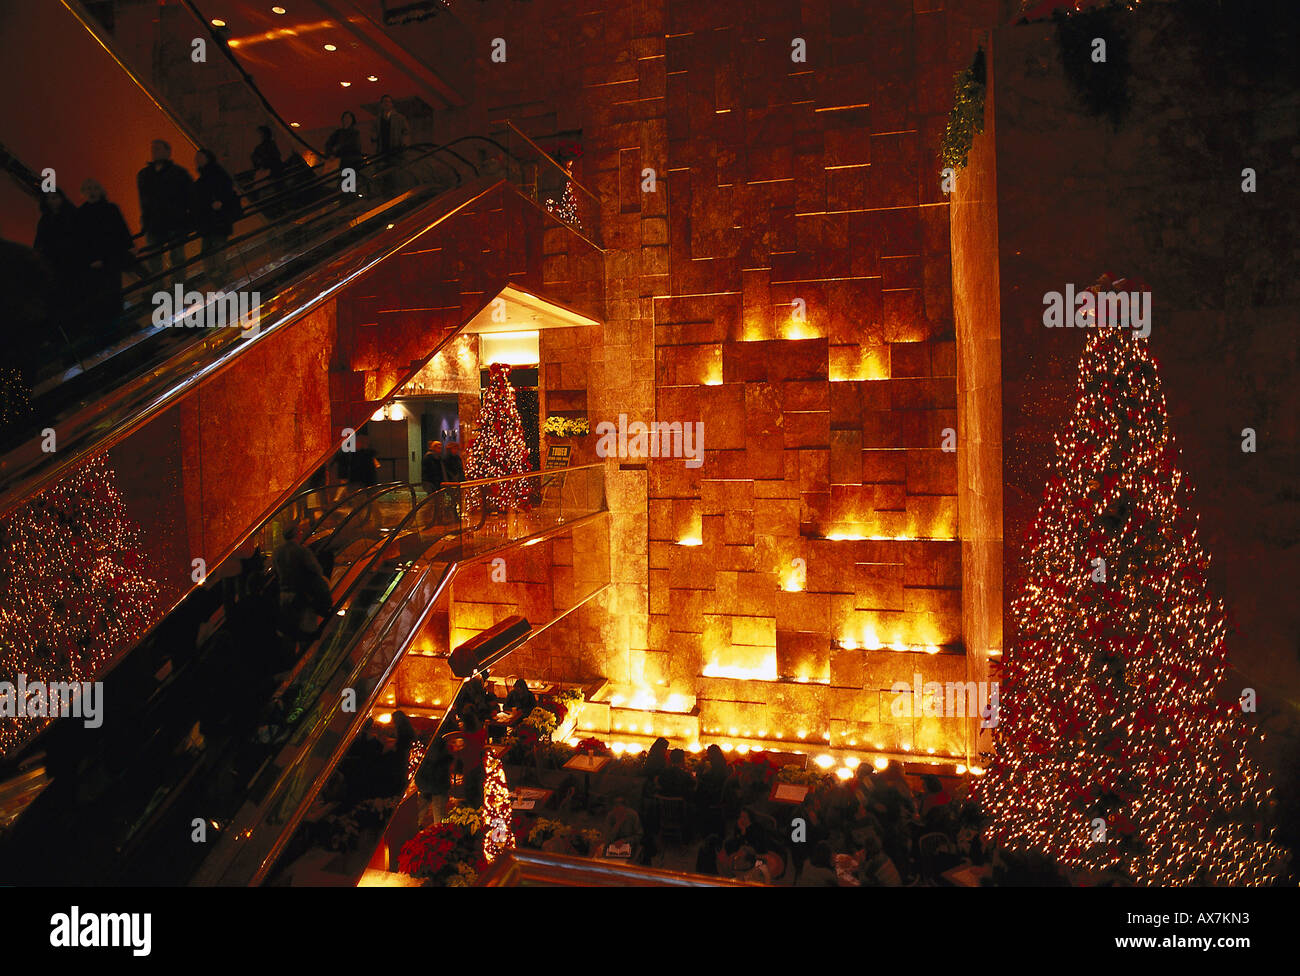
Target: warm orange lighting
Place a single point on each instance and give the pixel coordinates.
(881, 763)
(844, 773)
(824, 761)
(330, 47)
(218, 23)
(690, 540)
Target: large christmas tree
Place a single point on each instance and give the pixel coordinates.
(71, 590)
(1114, 750)
(499, 449)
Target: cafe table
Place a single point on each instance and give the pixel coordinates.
(588, 765)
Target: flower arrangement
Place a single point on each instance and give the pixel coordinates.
(435, 851)
(450, 852)
(557, 426)
(591, 746)
(583, 841)
(569, 696)
(471, 818)
(543, 721)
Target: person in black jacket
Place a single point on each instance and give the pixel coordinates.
(452, 465)
(58, 242)
(215, 206)
(105, 254)
(344, 144)
(431, 466)
(268, 172)
(164, 191)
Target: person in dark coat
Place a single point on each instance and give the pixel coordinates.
(267, 163)
(452, 466)
(164, 191)
(432, 471)
(303, 585)
(105, 254)
(268, 172)
(216, 207)
(56, 236)
(58, 242)
(344, 144)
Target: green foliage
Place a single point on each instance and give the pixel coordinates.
(543, 720)
(966, 119)
(1102, 86)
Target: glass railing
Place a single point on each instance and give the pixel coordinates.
(524, 868)
(376, 620)
(548, 183)
(498, 511)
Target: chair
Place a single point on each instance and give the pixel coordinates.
(929, 848)
(672, 818)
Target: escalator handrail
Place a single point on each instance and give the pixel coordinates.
(311, 736)
(364, 511)
(151, 283)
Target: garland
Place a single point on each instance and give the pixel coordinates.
(966, 119)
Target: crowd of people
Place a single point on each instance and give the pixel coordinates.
(88, 248)
(871, 830)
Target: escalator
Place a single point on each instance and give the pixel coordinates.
(119, 788)
(215, 748)
(302, 238)
(296, 246)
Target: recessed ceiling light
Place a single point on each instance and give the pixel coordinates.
(277, 10)
(218, 23)
(372, 77)
(296, 125)
(346, 84)
(330, 47)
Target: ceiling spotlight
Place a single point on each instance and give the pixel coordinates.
(346, 84)
(372, 77)
(330, 47)
(296, 125)
(218, 23)
(277, 10)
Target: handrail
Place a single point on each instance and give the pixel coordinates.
(547, 156)
(526, 474)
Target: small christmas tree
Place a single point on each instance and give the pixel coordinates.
(497, 833)
(71, 591)
(499, 450)
(1113, 750)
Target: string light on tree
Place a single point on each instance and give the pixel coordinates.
(499, 450)
(71, 591)
(497, 833)
(1114, 750)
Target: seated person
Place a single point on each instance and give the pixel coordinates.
(622, 824)
(762, 868)
(875, 869)
(818, 873)
(706, 861)
(521, 701)
(675, 779)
